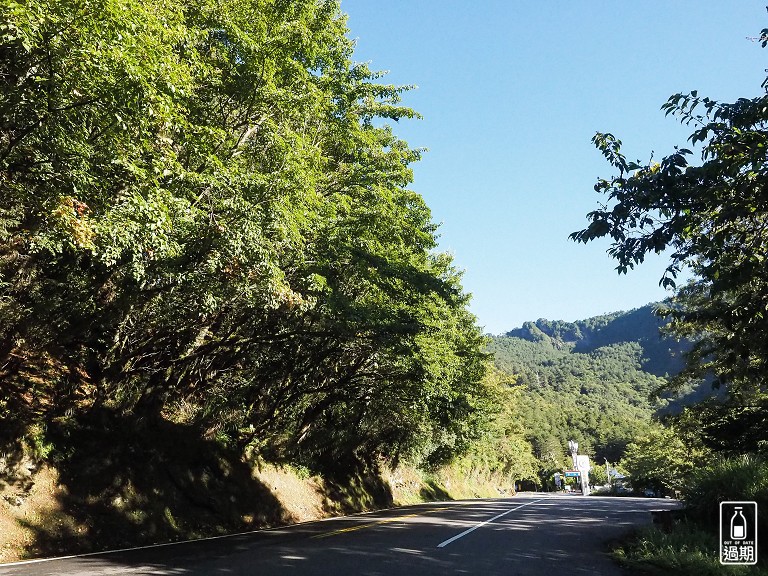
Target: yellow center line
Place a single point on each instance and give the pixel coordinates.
(377, 523)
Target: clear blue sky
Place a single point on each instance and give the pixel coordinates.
(512, 92)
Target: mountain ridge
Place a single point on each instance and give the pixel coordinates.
(662, 355)
(600, 381)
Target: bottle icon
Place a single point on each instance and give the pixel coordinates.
(738, 525)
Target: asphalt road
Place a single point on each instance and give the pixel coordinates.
(533, 534)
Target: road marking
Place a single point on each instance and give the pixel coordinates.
(135, 548)
(444, 544)
(177, 543)
(167, 544)
(377, 523)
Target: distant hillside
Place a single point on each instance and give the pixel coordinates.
(660, 355)
(591, 380)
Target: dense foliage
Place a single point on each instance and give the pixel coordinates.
(588, 381)
(204, 216)
(663, 459)
(504, 450)
(662, 355)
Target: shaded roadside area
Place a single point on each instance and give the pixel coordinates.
(116, 481)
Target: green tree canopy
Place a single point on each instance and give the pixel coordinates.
(204, 216)
(662, 460)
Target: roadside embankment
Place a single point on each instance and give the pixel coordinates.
(106, 484)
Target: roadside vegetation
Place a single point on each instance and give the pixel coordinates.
(205, 220)
(711, 218)
(688, 542)
(687, 549)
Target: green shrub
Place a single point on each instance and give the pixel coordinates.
(734, 478)
(686, 550)
(39, 445)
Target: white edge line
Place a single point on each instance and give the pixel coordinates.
(206, 539)
(147, 547)
(445, 543)
(178, 542)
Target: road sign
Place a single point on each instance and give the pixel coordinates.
(572, 473)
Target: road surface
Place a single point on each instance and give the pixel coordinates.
(532, 534)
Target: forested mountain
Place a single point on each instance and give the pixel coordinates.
(592, 380)
(660, 354)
